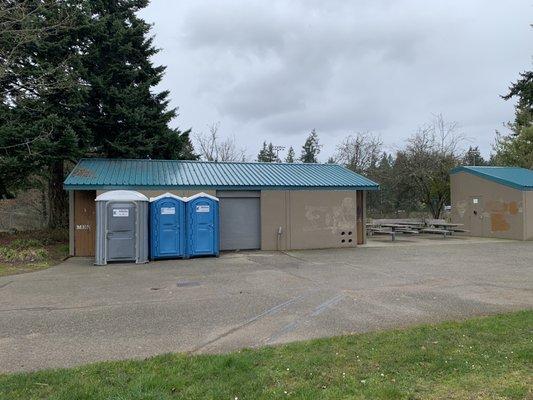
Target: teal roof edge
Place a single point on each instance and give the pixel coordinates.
(492, 178)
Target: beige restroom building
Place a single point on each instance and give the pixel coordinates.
(267, 206)
(493, 202)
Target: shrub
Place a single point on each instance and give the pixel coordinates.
(22, 244)
(11, 255)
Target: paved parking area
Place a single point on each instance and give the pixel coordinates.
(76, 313)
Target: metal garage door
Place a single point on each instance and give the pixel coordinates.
(240, 220)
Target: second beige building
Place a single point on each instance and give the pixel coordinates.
(493, 201)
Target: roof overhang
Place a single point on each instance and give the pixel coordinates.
(141, 174)
(185, 187)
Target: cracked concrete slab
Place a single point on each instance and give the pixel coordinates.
(77, 313)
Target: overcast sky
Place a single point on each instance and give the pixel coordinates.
(273, 70)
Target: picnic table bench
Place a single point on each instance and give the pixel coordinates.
(381, 231)
(441, 224)
(444, 232)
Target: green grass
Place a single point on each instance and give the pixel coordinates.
(483, 358)
(32, 250)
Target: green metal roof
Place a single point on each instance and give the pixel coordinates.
(518, 178)
(99, 173)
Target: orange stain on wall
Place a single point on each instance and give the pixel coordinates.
(498, 222)
(513, 208)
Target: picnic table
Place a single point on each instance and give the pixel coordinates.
(393, 226)
(449, 226)
(399, 228)
(390, 229)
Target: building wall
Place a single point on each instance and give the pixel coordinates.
(528, 215)
(364, 216)
(274, 215)
(501, 208)
(308, 219)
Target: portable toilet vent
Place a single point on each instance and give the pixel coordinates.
(202, 225)
(167, 226)
(121, 227)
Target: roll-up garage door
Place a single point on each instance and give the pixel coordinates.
(240, 220)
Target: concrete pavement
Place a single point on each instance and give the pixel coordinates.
(76, 313)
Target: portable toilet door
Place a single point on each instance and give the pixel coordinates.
(202, 225)
(122, 227)
(167, 226)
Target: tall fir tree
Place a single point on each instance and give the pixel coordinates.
(311, 148)
(262, 156)
(290, 155)
(473, 157)
(43, 98)
(127, 118)
(516, 149)
(267, 153)
(76, 80)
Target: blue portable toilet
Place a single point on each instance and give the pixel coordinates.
(202, 225)
(167, 226)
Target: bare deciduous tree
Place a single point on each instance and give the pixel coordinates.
(212, 148)
(425, 163)
(359, 152)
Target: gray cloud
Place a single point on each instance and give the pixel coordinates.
(274, 70)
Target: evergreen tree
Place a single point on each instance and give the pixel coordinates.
(331, 160)
(43, 98)
(267, 153)
(516, 149)
(311, 148)
(126, 117)
(262, 156)
(473, 157)
(77, 80)
(290, 155)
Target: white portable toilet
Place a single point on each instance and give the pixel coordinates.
(121, 227)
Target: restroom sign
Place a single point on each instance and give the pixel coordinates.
(202, 208)
(168, 210)
(121, 212)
